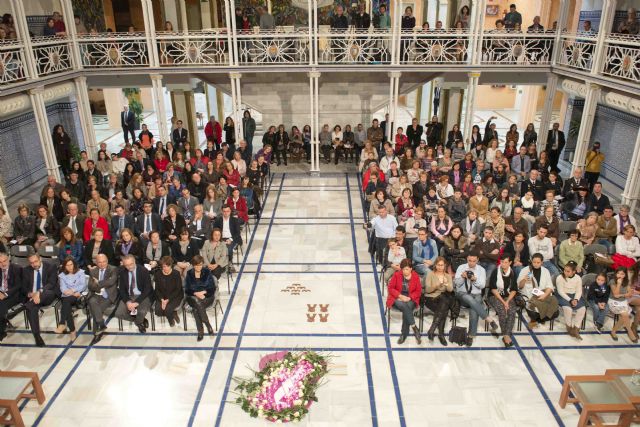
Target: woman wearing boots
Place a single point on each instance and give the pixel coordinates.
(569, 295)
(504, 288)
(404, 295)
(618, 304)
(438, 288)
(200, 287)
(169, 293)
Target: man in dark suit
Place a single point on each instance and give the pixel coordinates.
(120, 221)
(555, 144)
(147, 222)
(40, 285)
(534, 185)
(74, 220)
(10, 290)
(414, 133)
(386, 122)
(161, 201)
(140, 163)
(103, 284)
(128, 123)
(574, 182)
(135, 292)
(433, 132)
(200, 225)
(187, 203)
(180, 135)
(230, 227)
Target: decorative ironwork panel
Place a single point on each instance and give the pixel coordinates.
(623, 58)
(194, 48)
(577, 51)
(52, 55)
(274, 47)
(11, 63)
(115, 50)
(354, 47)
(434, 47)
(517, 48)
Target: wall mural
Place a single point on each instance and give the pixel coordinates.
(287, 13)
(91, 13)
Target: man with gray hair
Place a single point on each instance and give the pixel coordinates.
(135, 292)
(103, 284)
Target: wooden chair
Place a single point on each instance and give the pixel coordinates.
(13, 388)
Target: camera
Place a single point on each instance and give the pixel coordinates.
(469, 273)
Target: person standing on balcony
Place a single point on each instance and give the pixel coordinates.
(407, 24)
(128, 123)
(360, 18)
(382, 20)
(214, 130)
(630, 25)
(248, 130)
(238, 17)
(555, 144)
(512, 18)
(463, 17)
(58, 24)
(267, 22)
(339, 23)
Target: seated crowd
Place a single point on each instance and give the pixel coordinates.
(486, 229)
(147, 233)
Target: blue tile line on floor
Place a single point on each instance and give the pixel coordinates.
(363, 322)
(55, 362)
(392, 365)
(247, 309)
(212, 356)
(535, 379)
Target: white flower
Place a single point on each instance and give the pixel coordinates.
(296, 414)
(306, 402)
(297, 402)
(278, 421)
(301, 393)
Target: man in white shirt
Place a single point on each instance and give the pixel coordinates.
(387, 159)
(541, 244)
(74, 220)
(384, 226)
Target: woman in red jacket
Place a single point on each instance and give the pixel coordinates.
(404, 294)
(232, 175)
(238, 205)
(95, 221)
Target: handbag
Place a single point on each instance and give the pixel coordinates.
(520, 301)
(458, 335)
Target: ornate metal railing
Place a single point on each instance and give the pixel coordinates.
(52, 55)
(434, 47)
(287, 45)
(12, 67)
(623, 57)
(578, 50)
(514, 48)
(354, 46)
(114, 50)
(196, 48)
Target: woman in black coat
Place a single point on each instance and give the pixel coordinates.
(105, 247)
(53, 204)
(169, 292)
(62, 147)
(172, 224)
(128, 245)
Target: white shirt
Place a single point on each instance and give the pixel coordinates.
(629, 248)
(544, 247)
(226, 229)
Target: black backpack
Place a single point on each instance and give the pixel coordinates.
(458, 335)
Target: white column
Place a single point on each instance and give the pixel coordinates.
(316, 118)
(586, 125)
(396, 33)
(238, 118)
(606, 22)
(478, 31)
(562, 19)
(631, 191)
(44, 131)
(269, 7)
(432, 13)
(150, 33)
(443, 11)
(159, 105)
(310, 30)
(3, 198)
(392, 102)
(72, 36)
(183, 16)
(313, 119)
(229, 21)
(472, 88)
(545, 120)
(234, 32)
(86, 119)
(22, 28)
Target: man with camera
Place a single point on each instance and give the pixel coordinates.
(469, 282)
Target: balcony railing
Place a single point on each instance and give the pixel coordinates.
(12, 67)
(197, 48)
(528, 49)
(52, 55)
(577, 50)
(623, 57)
(114, 50)
(294, 46)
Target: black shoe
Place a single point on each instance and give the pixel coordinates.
(416, 333)
(3, 335)
(176, 317)
(469, 341)
(9, 327)
(494, 326)
(142, 328)
(200, 336)
(101, 328)
(507, 344)
(172, 322)
(39, 341)
(598, 328)
(431, 335)
(402, 339)
(146, 323)
(209, 328)
(442, 340)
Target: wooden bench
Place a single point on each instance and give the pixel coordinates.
(15, 386)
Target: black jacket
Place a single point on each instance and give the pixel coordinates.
(169, 229)
(176, 253)
(561, 141)
(414, 136)
(49, 285)
(143, 283)
(234, 228)
(106, 248)
(14, 281)
(156, 223)
(179, 137)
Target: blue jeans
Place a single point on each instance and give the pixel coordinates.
(476, 309)
(606, 243)
(421, 269)
(553, 269)
(599, 315)
(407, 315)
(488, 266)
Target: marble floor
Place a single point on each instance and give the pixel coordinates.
(311, 235)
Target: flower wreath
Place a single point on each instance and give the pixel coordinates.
(285, 386)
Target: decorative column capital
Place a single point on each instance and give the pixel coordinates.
(235, 75)
(314, 74)
(394, 74)
(156, 77)
(36, 91)
(474, 74)
(594, 86)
